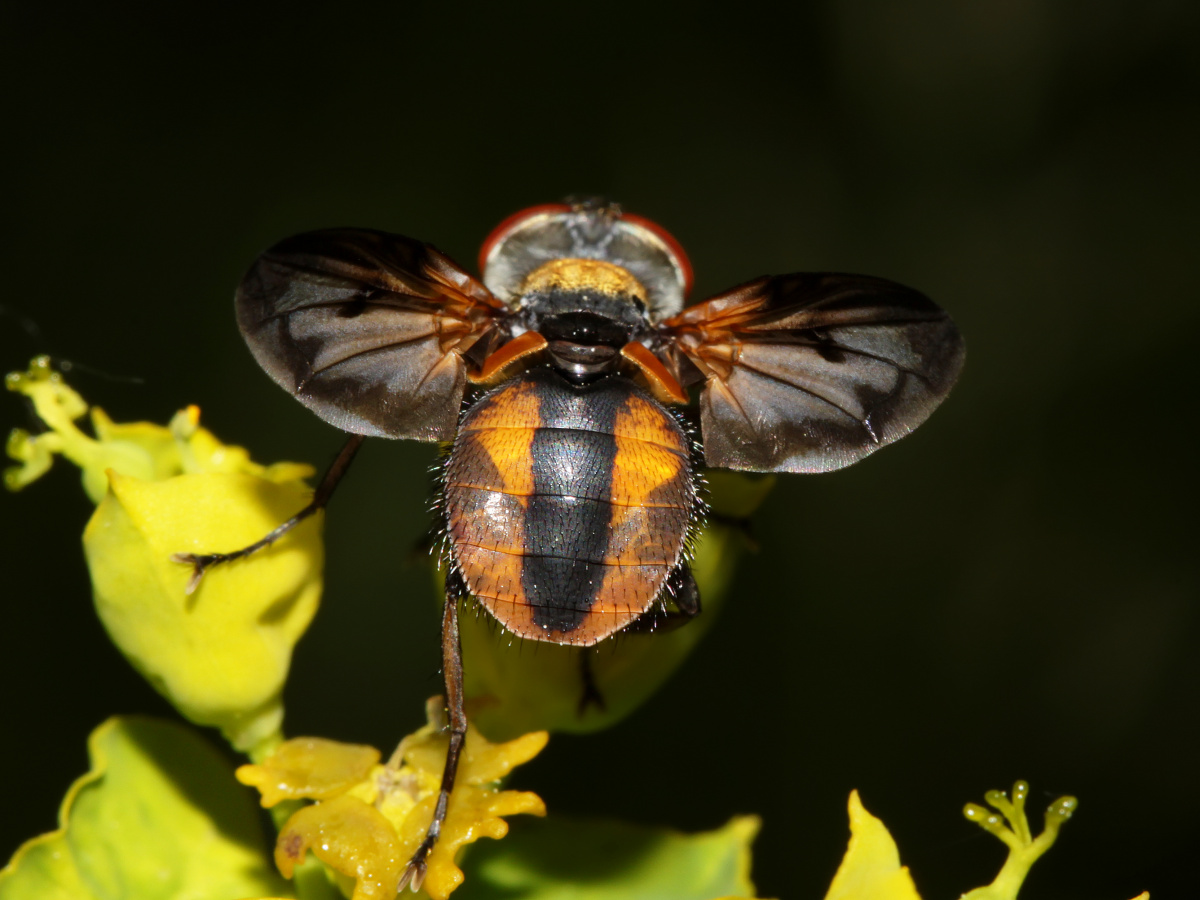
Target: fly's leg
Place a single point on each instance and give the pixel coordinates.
(452, 674)
(201, 563)
(591, 695)
(681, 587)
(682, 591)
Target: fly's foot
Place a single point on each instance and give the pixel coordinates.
(200, 564)
(413, 875)
(590, 695)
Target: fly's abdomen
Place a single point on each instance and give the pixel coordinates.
(567, 506)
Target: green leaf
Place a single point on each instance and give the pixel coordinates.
(511, 693)
(533, 691)
(557, 858)
(516, 693)
(158, 816)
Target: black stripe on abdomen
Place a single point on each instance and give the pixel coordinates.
(569, 516)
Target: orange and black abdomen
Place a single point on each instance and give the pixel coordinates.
(567, 506)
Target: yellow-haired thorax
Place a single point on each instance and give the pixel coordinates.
(584, 275)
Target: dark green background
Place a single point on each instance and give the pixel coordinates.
(1010, 593)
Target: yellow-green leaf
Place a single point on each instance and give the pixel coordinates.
(871, 868)
(158, 816)
(516, 693)
(221, 655)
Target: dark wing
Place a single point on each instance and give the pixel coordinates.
(812, 371)
(366, 329)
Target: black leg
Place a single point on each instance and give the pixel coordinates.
(200, 563)
(682, 591)
(681, 587)
(591, 695)
(452, 674)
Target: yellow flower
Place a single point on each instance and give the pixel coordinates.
(370, 818)
(220, 655)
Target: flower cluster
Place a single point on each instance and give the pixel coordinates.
(369, 818)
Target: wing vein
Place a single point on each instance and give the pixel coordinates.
(765, 374)
(414, 308)
(391, 345)
(833, 345)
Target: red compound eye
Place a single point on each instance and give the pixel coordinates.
(502, 230)
(685, 264)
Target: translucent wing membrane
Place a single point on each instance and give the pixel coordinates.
(813, 371)
(366, 329)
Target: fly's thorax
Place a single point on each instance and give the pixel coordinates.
(585, 275)
(587, 310)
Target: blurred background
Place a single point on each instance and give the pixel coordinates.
(1009, 593)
